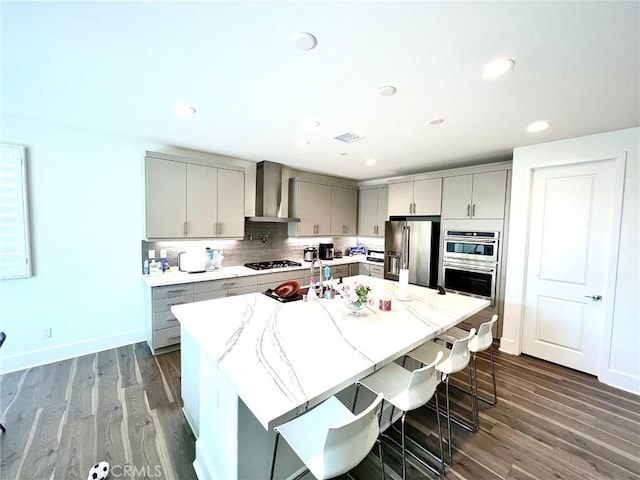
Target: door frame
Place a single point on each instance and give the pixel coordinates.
(526, 161)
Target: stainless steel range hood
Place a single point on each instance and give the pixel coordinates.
(269, 194)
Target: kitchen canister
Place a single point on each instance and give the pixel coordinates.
(385, 304)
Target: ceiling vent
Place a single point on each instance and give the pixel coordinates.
(349, 137)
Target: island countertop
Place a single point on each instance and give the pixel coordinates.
(283, 359)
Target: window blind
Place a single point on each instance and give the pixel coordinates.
(15, 249)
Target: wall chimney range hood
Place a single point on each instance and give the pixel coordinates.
(269, 194)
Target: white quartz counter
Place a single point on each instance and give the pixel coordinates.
(175, 277)
(283, 359)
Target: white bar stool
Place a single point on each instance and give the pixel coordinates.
(453, 361)
(481, 342)
(407, 390)
(329, 439)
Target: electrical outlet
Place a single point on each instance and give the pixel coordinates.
(46, 333)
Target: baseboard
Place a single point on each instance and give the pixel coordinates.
(621, 380)
(36, 358)
(508, 346)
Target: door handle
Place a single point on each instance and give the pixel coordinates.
(595, 298)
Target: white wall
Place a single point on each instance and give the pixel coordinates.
(620, 348)
(87, 221)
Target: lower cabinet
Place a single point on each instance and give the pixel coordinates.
(376, 271)
(227, 287)
(163, 329)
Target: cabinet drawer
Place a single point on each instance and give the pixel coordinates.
(340, 271)
(280, 277)
(227, 292)
(225, 284)
(172, 291)
(164, 320)
(164, 304)
(165, 337)
(376, 271)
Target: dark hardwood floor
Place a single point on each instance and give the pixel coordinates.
(123, 406)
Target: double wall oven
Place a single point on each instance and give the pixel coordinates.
(470, 263)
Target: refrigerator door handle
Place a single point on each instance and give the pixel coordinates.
(406, 232)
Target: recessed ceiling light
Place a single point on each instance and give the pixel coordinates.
(305, 41)
(310, 123)
(436, 121)
(387, 91)
(303, 142)
(538, 126)
(184, 110)
(371, 161)
(498, 67)
(343, 153)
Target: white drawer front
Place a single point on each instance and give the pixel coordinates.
(164, 320)
(230, 292)
(225, 284)
(172, 291)
(164, 304)
(165, 337)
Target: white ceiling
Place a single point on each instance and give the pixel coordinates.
(120, 67)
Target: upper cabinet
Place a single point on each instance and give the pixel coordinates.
(311, 203)
(185, 200)
(372, 211)
(478, 195)
(323, 210)
(419, 197)
(344, 211)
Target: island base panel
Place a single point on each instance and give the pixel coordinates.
(232, 443)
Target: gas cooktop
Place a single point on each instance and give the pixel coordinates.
(272, 264)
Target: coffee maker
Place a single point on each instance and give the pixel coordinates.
(325, 251)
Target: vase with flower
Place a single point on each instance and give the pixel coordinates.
(355, 296)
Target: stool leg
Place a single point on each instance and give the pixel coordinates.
(404, 448)
(446, 382)
(440, 434)
(493, 375)
(381, 454)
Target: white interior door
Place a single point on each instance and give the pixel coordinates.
(573, 214)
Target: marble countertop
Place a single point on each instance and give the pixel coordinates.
(176, 277)
(283, 359)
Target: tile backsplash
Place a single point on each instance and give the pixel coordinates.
(262, 242)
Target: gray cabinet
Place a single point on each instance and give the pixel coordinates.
(419, 197)
(164, 329)
(185, 200)
(344, 211)
(227, 287)
(372, 211)
(311, 203)
(478, 196)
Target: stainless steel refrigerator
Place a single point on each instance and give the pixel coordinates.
(413, 245)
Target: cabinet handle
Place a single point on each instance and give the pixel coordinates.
(184, 228)
(220, 228)
(177, 337)
(468, 210)
(176, 291)
(231, 284)
(473, 210)
(172, 320)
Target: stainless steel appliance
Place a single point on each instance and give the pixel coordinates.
(310, 253)
(325, 251)
(471, 245)
(375, 256)
(272, 264)
(413, 245)
(470, 263)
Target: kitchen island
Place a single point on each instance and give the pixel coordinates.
(250, 363)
